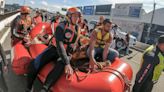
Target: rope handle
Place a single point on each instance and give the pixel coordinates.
(81, 77)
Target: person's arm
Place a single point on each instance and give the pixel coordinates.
(15, 29)
(106, 48)
(61, 50)
(91, 49)
(60, 46)
(15, 33)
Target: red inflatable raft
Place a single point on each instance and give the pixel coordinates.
(21, 56)
(111, 79)
(21, 59)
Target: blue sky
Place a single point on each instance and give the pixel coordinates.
(56, 4)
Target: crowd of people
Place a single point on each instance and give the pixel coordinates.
(67, 35)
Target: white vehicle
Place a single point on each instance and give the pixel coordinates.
(120, 38)
(119, 41)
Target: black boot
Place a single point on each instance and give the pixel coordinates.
(32, 73)
(53, 76)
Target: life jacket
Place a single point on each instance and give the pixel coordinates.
(160, 66)
(101, 41)
(37, 19)
(70, 38)
(83, 32)
(50, 30)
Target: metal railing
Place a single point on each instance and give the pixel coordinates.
(6, 15)
(7, 19)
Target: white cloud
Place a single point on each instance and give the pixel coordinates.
(65, 1)
(32, 2)
(55, 8)
(44, 3)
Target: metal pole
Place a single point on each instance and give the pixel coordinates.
(149, 29)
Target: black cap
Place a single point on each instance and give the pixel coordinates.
(161, 39)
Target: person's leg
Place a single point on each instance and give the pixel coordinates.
(127, 50)
(144, 86)
(147, 86)
(97, 52)
(40, 61)
(112, 54)
(136, 87)
(53, 76)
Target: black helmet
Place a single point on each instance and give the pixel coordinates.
(161, 39)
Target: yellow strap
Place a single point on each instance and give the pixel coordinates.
(100, 39)
(99, 35)
(149, 49)
(159, 68)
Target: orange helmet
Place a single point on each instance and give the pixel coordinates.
(25, 9)
(73, 10)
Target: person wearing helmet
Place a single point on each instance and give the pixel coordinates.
(100, 41)
(84, 30)
(151, 68)
(37, 18)
(66, 37)
(21, 25)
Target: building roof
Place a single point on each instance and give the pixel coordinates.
(158, 17)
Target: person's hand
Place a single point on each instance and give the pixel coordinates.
(83, 47)
(92, 64)
(27, 38)
(107, 63)
(32, 26)
(68, 70)
(39, 36)
(27, 44)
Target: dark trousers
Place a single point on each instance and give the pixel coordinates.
(50, 54)
(99, 52)
(146, 86)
